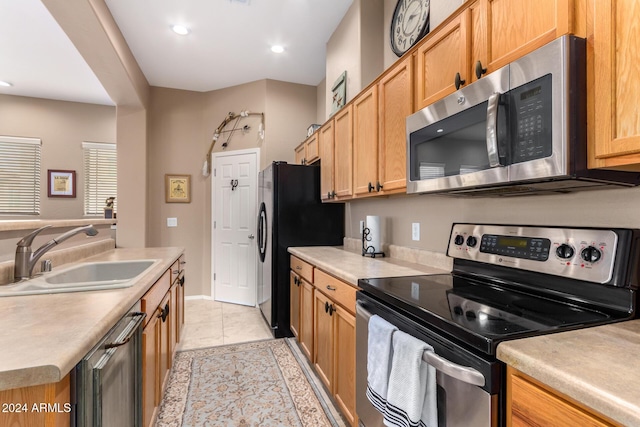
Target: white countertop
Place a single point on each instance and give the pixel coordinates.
(45, 336)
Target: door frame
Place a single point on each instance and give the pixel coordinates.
(214, 157)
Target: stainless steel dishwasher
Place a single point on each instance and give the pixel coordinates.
(107, 383)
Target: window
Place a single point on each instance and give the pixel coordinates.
(100, 176)
(20, 175)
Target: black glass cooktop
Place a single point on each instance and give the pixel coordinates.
(480, 314)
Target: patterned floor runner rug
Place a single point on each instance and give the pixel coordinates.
(262, 383)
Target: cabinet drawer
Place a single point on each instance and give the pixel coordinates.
(152, 299)
(339, 291)
(302, 268)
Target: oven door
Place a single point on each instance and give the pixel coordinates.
(459, 141)
(468, 386)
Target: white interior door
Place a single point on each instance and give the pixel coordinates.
(234, 210)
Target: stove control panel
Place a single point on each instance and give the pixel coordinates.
(584, 254)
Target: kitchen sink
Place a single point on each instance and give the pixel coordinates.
(90, 276)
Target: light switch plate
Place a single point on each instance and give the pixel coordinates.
(415, 231)
(172, 222)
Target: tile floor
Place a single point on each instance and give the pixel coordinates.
(209, 323)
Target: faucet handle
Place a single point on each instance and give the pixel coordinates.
(27, 240)
(45, 265)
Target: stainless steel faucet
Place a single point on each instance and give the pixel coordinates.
(26, 260)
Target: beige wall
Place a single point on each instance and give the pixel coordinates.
(181, 125)
(598, 208)
(62, 126)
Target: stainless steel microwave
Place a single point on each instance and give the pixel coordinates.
(521, 129)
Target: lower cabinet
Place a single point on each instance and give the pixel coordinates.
(531, 403)
(30, 406)
(164, 305)
(323, 321)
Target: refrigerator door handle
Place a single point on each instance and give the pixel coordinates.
(262, 232)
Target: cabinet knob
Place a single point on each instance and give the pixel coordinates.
(326, 306)
(378, 186)
(459, 81)
(370, 186)
(480, 70)
(331, 309)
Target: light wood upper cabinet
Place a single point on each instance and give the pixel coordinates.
(441, 57)
(308, 151)
(301, 153)
(616, 37)
(514, 29)
(326, 140)
(365, 142)
(395, 100)
(343, 152)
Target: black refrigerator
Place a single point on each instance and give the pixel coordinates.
(290, 214)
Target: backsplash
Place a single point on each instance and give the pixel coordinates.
(406, 254)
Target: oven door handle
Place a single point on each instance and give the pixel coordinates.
(492, 130)
(459, 372)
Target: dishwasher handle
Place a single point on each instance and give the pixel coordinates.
(136, 320)
(461, 373)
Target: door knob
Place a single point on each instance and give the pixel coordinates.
(251, 236)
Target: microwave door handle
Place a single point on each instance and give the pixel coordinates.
(492, 130)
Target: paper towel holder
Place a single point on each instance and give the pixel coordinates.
(369, 250)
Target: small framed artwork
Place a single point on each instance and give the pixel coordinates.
(339, 93)
(61, 183)
(177, 188)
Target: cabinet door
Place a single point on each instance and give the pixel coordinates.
(313, 149)
(173, 321)
(365, 142)
(530, 405)
(180, 307)
(515, 29)
(395, 97)
(443, 55)
(345, 363)
(306, 318)
(326, 140)
(323, 339)
(150, 369)
(343, 151)
(164, 325)
(300, 154)
(616, 56)
(294, 304)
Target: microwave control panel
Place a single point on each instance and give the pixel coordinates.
(531, 111)
(584, 254)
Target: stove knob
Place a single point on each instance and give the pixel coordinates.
(591, 254)
(471, 241)
(565, 251)
(458, 240)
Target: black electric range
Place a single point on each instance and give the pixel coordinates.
(517, 281)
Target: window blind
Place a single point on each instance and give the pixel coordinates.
(20, 175)
(100, 176)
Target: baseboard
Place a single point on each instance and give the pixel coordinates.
(196, 297)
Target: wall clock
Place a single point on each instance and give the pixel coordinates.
(409, 24)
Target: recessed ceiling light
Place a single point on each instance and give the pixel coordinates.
(277, 49)
(180, 29)
(5, 84)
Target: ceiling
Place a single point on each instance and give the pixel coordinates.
(228, 44)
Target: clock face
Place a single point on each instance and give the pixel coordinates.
(409, 24)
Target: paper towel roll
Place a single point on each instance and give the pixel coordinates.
(373, 224)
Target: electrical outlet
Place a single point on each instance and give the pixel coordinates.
(172, 222)
(361, 226)
(415, 231)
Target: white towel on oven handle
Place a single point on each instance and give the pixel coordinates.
(379, 353)
(412, 395)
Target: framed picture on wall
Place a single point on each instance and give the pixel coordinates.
(177, 188)
(61, 183)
